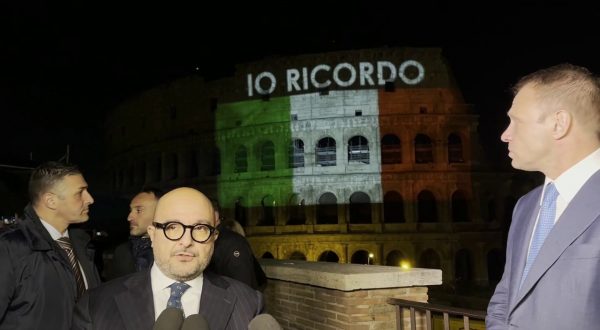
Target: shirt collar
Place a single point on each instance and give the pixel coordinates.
(569, 182)
(53, 232)
(160, 281)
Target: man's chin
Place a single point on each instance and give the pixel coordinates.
(81, 219)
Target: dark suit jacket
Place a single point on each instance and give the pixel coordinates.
(233, 258)
(124, 262)
(562, 288)
(127, 303)
(37, 285)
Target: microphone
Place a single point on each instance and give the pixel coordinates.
(170, 319)
(264, 322)
(195, 322)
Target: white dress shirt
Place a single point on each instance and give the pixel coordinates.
(570, 182)
(56, 235)
(190, 300)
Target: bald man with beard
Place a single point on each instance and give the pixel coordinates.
(183, 235)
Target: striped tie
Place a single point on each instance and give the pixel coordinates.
(65, 244)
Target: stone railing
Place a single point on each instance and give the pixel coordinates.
(321, 295)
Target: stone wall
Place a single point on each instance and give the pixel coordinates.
(317, 295)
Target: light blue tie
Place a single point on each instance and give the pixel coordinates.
(544, 225)
(177, 290)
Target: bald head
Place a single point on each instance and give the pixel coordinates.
(181, 257)
(183, 203)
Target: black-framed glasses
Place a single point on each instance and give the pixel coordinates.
(174, 230)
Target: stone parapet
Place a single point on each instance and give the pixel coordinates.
(319, 295)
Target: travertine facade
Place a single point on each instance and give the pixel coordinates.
(366, 156)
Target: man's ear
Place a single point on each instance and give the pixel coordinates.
(151, 230)
(217, 219)
(562, 124)
(49, 200)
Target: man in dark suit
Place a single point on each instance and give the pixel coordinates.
(40, 280)
(551, 278)
(183, 235)
(233, 256)
(136, 253)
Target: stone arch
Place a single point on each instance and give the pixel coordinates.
(329, 256)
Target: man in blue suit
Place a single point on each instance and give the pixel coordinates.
(552, 280)
(183, 235)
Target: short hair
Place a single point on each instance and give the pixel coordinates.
(157, 192)
(46, 175)
(570, 85)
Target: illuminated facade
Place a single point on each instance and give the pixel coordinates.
(367, 156)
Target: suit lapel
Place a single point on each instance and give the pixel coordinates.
(79, 244)
(523, 233)
(581, 212)
(216, 302)
(136, 304)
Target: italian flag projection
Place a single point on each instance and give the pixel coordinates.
(284, 157)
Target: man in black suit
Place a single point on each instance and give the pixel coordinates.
(233, 256)
(183, 235)
(136, 253)
(40, 279)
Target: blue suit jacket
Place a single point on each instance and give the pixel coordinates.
(562, 289)
(127, 303)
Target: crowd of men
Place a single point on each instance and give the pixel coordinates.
(48, 278)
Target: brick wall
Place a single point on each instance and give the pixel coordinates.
(307, 307)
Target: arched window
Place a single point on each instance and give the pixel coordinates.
(329, 256)
(267, 156)
(393, 207)
(268, 211)
(358, 149)
(427, 207)
(394, 258)
(241, 160)
(360, 208)
(430, 259)
(268, 255)
(391, 149)
(297, 255)
(327, 209)
(360, 257)
(325, 152)
(455, 149)
(423, 149)
(297, 154)
(296, 211)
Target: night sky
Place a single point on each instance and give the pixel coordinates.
(64, 64)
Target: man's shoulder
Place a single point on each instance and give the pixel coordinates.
(120, 284)
(15, 239)
(531, 197)
(229, 239)
(226, 282)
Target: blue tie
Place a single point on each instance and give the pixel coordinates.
(177, 290)
(544, 225)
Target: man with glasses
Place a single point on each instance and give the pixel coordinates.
(183, 234)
